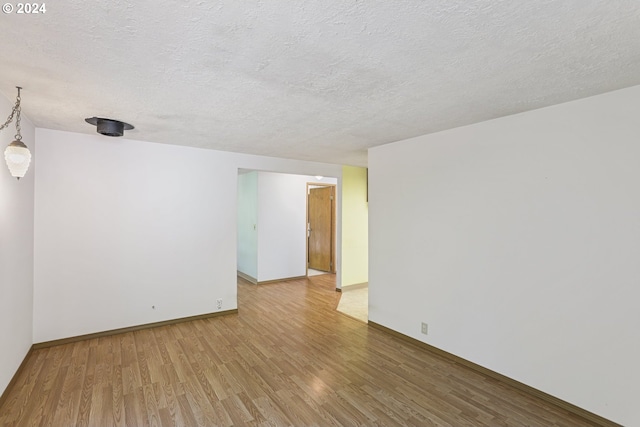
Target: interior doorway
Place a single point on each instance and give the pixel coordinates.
(321, 228)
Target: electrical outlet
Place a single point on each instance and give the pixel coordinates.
(425, 328)
(219, 303)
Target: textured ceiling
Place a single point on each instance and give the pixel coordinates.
(312, 80)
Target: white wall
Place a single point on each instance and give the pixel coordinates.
(281, 226)
(16, 252)
(123, 225)
(282, 218)
(518, 241)
(248, 223)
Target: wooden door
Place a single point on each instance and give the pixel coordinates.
(320, 225)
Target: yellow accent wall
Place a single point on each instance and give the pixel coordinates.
(355, 226)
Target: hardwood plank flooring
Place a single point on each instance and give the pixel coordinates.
(288, 358)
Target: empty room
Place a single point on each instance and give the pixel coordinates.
(168, 165)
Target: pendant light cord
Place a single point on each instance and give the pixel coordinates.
(15, 112)
(18, 109)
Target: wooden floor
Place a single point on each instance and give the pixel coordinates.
(287, 359)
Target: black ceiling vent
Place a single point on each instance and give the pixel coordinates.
(109, 127)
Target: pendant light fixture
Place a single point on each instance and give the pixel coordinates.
(17, 154)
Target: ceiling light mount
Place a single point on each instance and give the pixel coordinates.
(109, 127)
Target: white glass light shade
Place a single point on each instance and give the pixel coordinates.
(18, 158)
